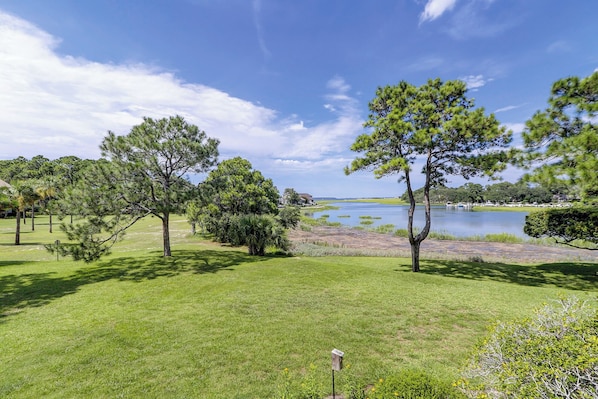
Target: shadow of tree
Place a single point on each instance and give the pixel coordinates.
(18, 292)
(572, 276)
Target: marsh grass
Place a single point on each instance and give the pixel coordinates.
(213, 322)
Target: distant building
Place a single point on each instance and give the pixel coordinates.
(307, 198)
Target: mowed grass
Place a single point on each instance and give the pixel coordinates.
(212, 322)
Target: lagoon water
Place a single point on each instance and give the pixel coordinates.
(458, 222)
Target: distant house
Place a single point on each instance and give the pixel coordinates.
(307, 199)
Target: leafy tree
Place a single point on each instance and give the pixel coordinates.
(238, 205)
(437, 125)
(563, 139)
(46, 192)
(291, 197)
(13, 169)
(565, 225)
(144, 174)
(20, 195)
(22, 168)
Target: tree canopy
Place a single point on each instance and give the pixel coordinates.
(238, 205)
(144, 173)
(561, 148)
(561, 141)
(434, 125)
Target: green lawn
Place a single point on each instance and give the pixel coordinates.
(212, 322)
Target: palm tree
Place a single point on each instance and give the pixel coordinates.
(46, 190)
(22, 195)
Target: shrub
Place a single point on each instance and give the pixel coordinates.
(257, 232)
(413, 384)
(441, 235)
(551, 355)
(385, 228)
(564, 225)
(402, 233)
(503, 237)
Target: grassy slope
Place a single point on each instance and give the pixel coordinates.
(214, 323)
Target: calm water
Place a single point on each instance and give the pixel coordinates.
(458, 222)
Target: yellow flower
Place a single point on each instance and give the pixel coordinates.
(381, 380)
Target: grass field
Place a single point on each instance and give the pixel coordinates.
(212, 322)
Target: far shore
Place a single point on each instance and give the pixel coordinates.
(474, 207)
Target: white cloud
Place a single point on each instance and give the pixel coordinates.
(257, 8)
(508, 108)
(435, 8)
(474, 82)
(560, 46)
(330, 137)
(56, 105)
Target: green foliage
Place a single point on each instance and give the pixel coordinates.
(234, 187)
(145, 174)
(437, 124)
(257, 232)
(441, 235)
(413, 384)
(551, 355)
(564, 138)
(291, 197)
(385, 228)
(238, 205)
(289, 216)
(565, 225)
(503, 192)
(503, 237)
(306, 386)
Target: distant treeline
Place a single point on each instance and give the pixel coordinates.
(65, 171)
(503, 192)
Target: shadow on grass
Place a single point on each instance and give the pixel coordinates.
(571, 276)
(18, 292)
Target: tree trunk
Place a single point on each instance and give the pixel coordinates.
(415, 256)
(24, 216)
(193, 229)
(32, 217)
(50, 221)
(166, 234)
(18, 229)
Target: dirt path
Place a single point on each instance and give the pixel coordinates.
(360, 241)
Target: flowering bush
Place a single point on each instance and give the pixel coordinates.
(551, 355)
(411, 384)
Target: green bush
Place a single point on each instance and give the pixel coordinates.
(441, 235)
(503, 237)
(551, 355)
(402, 233)
(564, 225)
(413, 384)
(385, 228)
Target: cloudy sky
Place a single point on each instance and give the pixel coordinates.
(282, 83)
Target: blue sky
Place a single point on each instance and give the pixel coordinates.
(282, 83)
